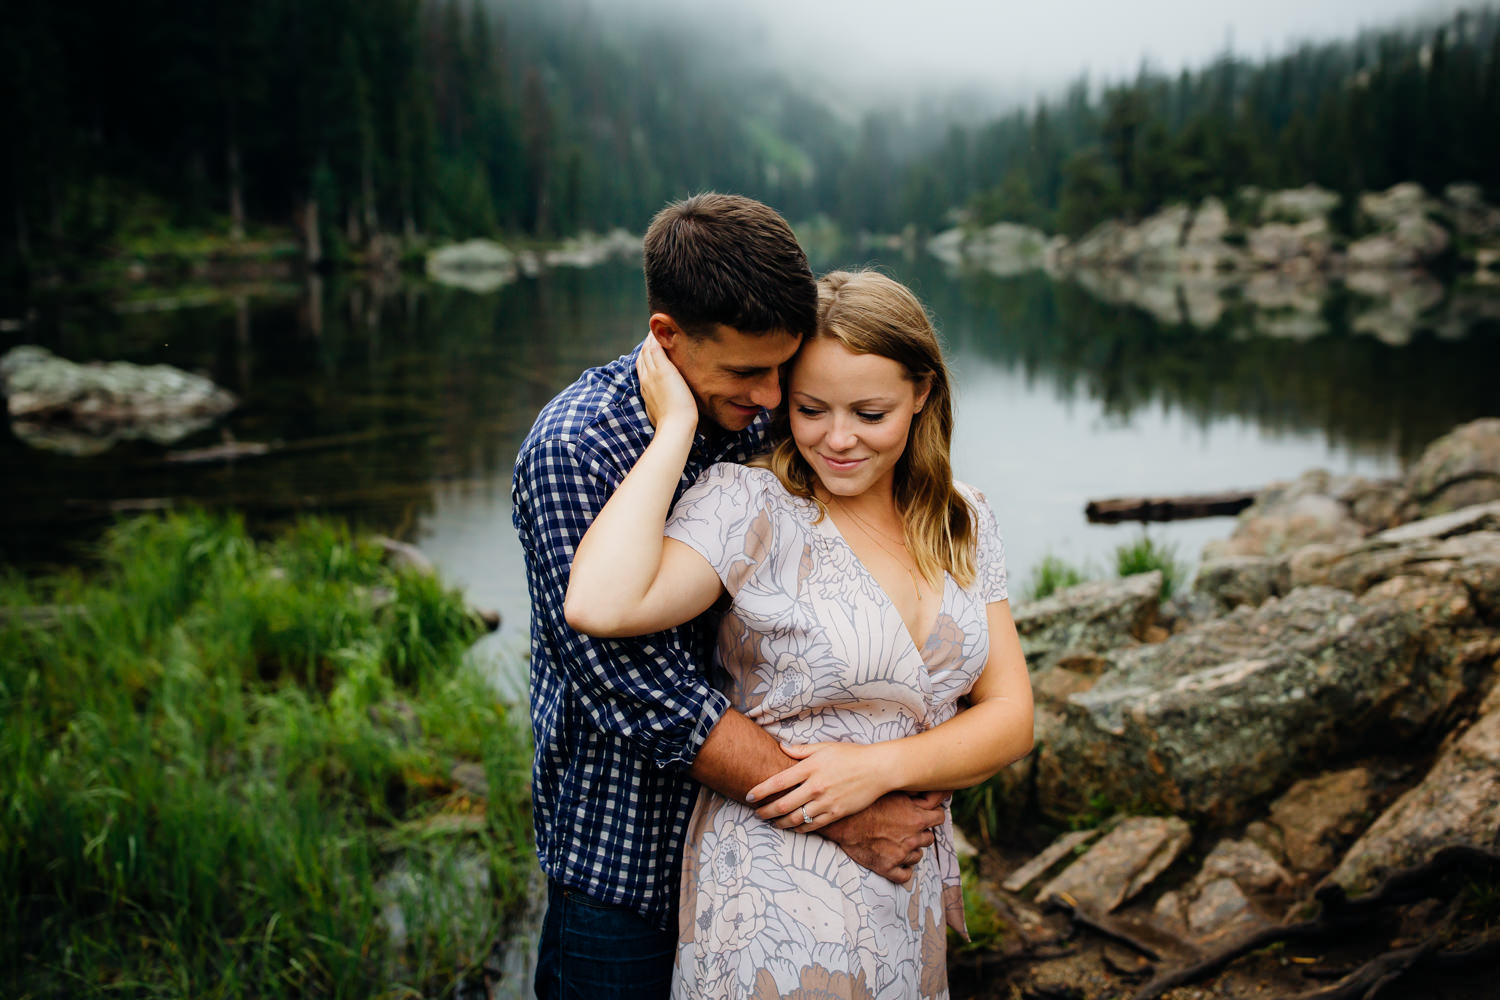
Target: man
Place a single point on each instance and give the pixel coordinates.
(624, 728)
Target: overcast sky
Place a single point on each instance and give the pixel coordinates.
(1009, 45)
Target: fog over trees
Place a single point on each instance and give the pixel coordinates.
(451, 118)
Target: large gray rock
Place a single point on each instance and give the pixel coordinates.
(1088, 618)
(1217, 902)
(1274, 291)
(1234, 580)
(1398, 202)
(1121, 864)
(1470, 306)
(1459, 469)
(1461, 548)
(1473, 217)
(590, 250)
(1471, 558)
(1214, 718)
(1280, 244)
(1064, 846)
(105, 402)
(1004, 248)
(1153, 244)
(1406, 234)
(1317, 818)
(1287, 516)
(1297, 205)
(1204, 248)
(1377, 504)
(1160, 293)
(1396, 303)
(477, 265)
(1457, 803)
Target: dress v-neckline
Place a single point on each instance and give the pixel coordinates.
(942, 592)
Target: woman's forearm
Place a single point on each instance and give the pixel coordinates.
(619, 557)
(968, 749)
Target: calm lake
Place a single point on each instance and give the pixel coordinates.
(402, 407)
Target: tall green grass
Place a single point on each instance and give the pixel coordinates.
(1052, 573)
(225, 765)
(1144, 555)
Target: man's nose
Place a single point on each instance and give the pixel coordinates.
(767, 392)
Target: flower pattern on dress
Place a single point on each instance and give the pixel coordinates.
(812, 649)
(791, 686)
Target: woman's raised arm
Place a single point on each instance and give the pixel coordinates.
(626, 578)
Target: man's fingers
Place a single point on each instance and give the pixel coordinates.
(899, 875)
(910, 861)
(919, 841)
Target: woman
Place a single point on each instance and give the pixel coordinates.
(867, 598)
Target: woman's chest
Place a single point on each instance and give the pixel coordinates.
(812, 627)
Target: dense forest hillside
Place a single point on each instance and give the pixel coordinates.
(1410, 105)
(345, 119)
(353, 117)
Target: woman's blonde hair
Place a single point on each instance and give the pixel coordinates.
(870, 313)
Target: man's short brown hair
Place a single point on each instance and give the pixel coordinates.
(724, 258)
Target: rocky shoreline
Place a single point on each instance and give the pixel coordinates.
(1269, 261)
(1315, 722)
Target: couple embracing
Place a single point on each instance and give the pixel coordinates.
(769, 635)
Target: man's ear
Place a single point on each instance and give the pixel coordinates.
(666, 331)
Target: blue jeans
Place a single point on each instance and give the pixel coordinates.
(592, 951)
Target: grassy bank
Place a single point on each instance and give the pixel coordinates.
(236, 769)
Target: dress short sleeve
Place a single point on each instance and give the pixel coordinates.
(989, 555)
(729, 517)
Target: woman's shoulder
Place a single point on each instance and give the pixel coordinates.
(971, 495)
(756, 484)
(739, 478)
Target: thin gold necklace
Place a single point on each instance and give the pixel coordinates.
(875, 534)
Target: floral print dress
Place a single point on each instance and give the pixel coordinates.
(812, 649)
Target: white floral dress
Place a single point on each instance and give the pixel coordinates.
(812, 649)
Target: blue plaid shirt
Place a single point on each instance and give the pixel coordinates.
(616, 722)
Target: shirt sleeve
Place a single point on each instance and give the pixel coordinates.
(989, 554)
(649, 691)
(727, 517)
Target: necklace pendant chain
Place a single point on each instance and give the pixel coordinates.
(875, 534)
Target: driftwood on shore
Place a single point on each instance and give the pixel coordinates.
(1175, 508)
(1445, 873)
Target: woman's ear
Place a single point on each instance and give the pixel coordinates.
(923, 391)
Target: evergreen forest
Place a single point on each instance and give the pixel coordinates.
(343, 120)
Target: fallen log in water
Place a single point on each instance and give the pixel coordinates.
(1168, 508)
(229, 451)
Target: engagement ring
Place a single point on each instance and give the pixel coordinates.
(805, 817)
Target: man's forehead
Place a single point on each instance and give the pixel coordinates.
(733, 349)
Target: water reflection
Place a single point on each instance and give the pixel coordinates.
(402, 405)
(1364, 393)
